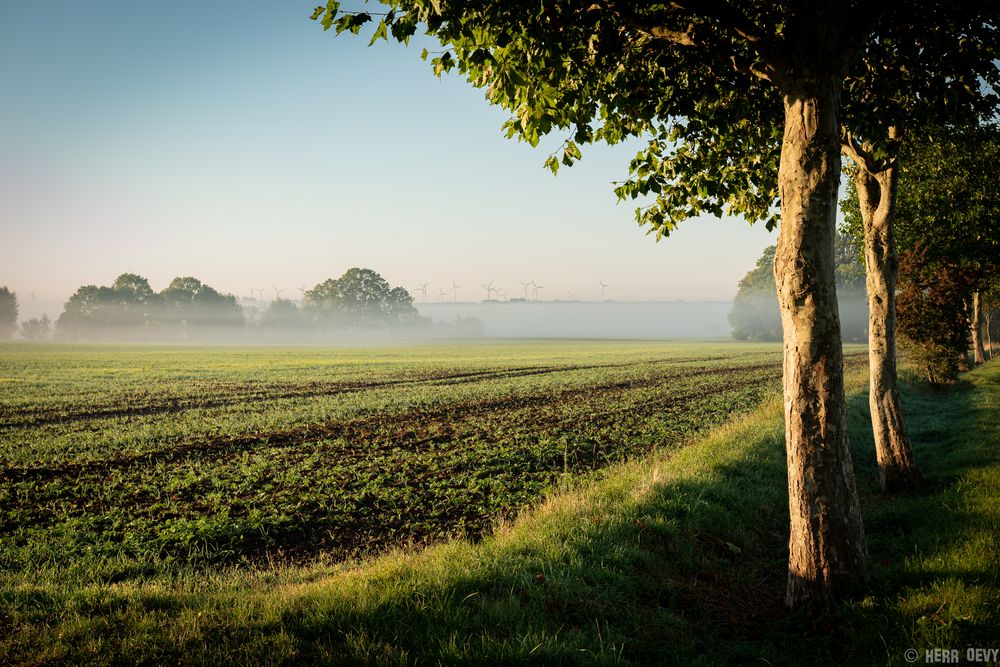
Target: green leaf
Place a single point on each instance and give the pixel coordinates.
(381, 32)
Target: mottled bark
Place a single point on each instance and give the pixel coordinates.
(827, 555)
(978, 351)
(897, 469)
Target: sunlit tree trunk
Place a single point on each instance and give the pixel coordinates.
(978, 351)
(827, 554)
(876, 195)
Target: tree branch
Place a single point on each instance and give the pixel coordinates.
(707, 40)
(859, 155)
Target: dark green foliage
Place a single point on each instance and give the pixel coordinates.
(933, 311)
(948, 200)
(8, 312)
(360, 298)
(755, 314)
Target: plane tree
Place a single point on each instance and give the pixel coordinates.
(702, 83)
(920, 85)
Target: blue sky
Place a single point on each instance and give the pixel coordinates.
(238, 142)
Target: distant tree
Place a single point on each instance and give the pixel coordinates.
(933, 313)
(8, 312)
(755, 314)
(37, 328)
(360, 298)
(88, 310)
(281, 314)
(189, 301)
(128, 304)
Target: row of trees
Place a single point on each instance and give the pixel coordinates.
(945, 216)
(359, 299)
(745, 106)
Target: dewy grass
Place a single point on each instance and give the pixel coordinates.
(674, 558)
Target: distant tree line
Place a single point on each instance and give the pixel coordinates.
(129, 303)
(360, 299)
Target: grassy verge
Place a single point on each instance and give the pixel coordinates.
(678, 558)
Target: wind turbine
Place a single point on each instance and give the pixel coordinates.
(454, 291)
(530, 282)
(489, 289)
(443, 294)
(537, 287)
(501, 293)
(32, 295)
(604, 286)
(277, 293)
(423, 290)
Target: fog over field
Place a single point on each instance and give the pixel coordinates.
(583, 319)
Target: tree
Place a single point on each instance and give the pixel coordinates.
(88, 310)
(947, 204)
(918, 96)
(755, 314)
(360, 298)
(128, 304)
(188, 301)
(934, 314)
(37, 328)
(8, 312)
(281, 314)
(704, 83)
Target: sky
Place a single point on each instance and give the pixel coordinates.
(239, 143)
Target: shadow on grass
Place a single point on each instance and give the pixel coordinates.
(934, 550)
(693, 571)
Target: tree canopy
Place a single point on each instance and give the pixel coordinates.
(190, 301)
(360, 298)
(696, 80)
(948, 202)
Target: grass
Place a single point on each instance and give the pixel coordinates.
(673, 558)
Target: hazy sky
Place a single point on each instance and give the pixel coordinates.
(239, 143)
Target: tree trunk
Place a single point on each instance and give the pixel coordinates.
(827, 555)
(897, 469)
(989, 328)
(979, 353)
